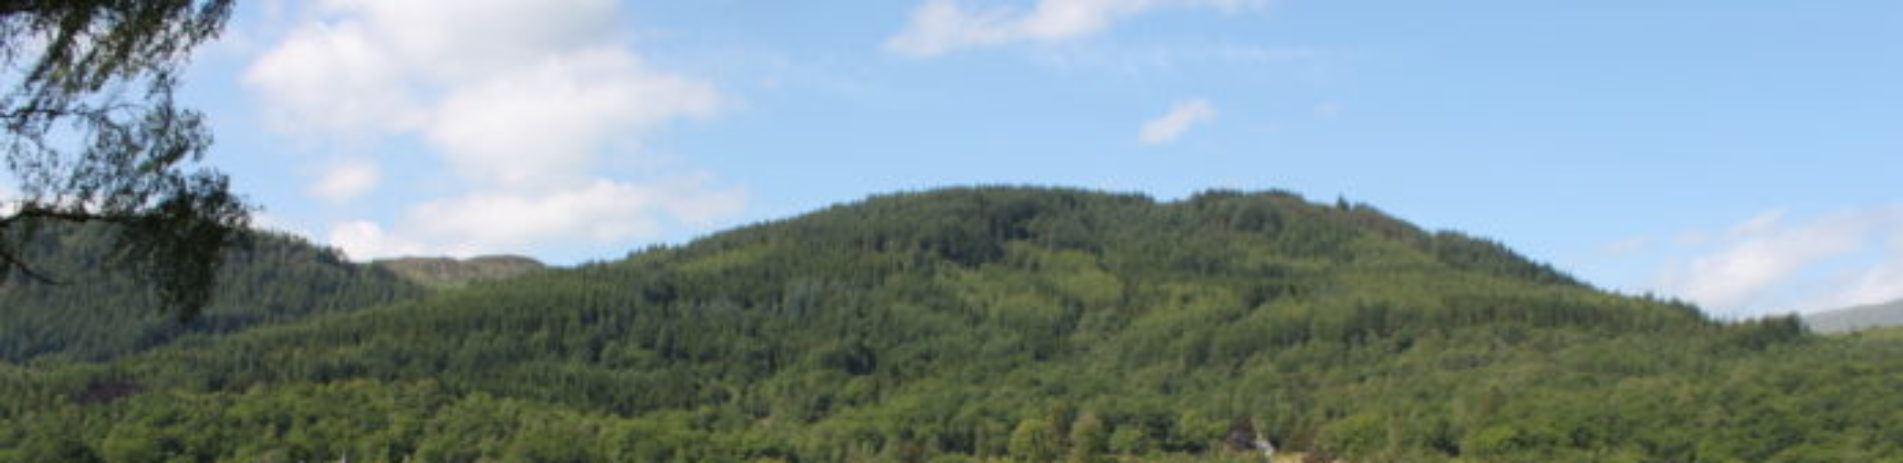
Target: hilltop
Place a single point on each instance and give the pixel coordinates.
(971, 324)
(1857, 318)
(445, 272)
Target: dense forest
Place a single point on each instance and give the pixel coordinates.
(954, 325)
(94, 312)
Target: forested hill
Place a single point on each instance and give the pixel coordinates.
(94, 312)
(1004, 324)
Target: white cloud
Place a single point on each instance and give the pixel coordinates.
(462, 39)
(333, 78)
(603, 212)
(347, 180)
(402, 65)
(1883, 281)
(365, 240)
(544, 123)
(522, 101)
(1759, 255)
(941, 26)
(1771, 263)
(1879, 284)
(1171, 125)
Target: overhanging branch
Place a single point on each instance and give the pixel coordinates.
(12, 262)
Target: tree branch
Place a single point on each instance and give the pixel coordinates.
(12, 262)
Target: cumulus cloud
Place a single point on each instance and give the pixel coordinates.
(522, 101)
(544, 123)
(1770, 262)
(333, 78)
(347, 180)
(941, 26)
(1172, 125)
(603, 212)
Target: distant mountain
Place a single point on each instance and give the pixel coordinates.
(996, 324)
(1857, 318)
(444, 272)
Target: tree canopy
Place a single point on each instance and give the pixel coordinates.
(93, 133)
(992, 324)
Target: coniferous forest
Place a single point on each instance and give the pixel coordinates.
(955, 325)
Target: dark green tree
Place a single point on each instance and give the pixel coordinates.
(92, 133)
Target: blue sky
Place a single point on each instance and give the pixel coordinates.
(1741, 154)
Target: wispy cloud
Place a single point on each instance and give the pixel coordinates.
(1882, 281)
(1770, 262)
(347, 180)
(1172, 125)
(941, 26)
(523, 101)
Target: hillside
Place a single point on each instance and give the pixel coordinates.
(978, 324)
(95, 312)
(448, 273)
(1857, 318)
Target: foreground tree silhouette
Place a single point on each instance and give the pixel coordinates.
(92, 134)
